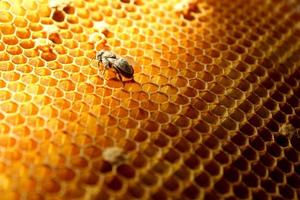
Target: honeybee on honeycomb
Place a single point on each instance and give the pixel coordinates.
(110, 60)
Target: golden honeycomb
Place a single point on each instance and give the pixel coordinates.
(213, 110)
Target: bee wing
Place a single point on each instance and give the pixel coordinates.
(130, 60)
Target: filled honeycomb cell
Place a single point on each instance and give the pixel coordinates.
(212, 111)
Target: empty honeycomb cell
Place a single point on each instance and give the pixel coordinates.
(286, 192)
(280, 117)
(273, 125)
(191, 192)
(229, 124)
(5, 16)
(203, 180)
(213, 168)
(267, 160)
(241, 191)
(263, 112)
(39, 122)
(222, 158)
(241, 163)
(232, 175)
(291, 154)
(212, 142)
(209, 97)
(172, 156)
(293, 180)
(160, 194)
(292, 101)
(89, 178)
(77, 77)
(256, 121)
(9, 107)
(248, 129)
(29, 109)
(250, 154)
(51, 186)
(136, 191)
(7, 142)
(192, 162)
(238, 116)
(211, 195)
(74, 193)
(126, 171)
(287, 109)
(4, 128)
(259, 169)
(274, 150)
(269, 186)
(251, 180)
(22, 97)
(222, 186)
(58, 16)
(171, 130)
(149, 179)
(190, 92)
(28, 145)
(260, 194)
(210, 118)
(284, 165)
(121, 112)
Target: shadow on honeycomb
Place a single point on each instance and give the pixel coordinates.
(213, 111)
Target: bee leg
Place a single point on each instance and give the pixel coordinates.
(105, 64)
(99, 67)
(120, 77)
(103, 73)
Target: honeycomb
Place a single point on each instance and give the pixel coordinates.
(213, 110)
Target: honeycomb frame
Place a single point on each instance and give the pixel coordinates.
(213, 110)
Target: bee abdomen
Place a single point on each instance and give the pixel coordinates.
(124, 68)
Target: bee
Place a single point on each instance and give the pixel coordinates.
(289, 131)
(114, 155)
(119, 64)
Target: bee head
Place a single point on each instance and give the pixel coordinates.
(99, 55)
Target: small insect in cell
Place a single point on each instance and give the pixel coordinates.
(114, 155)
(110, 60)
